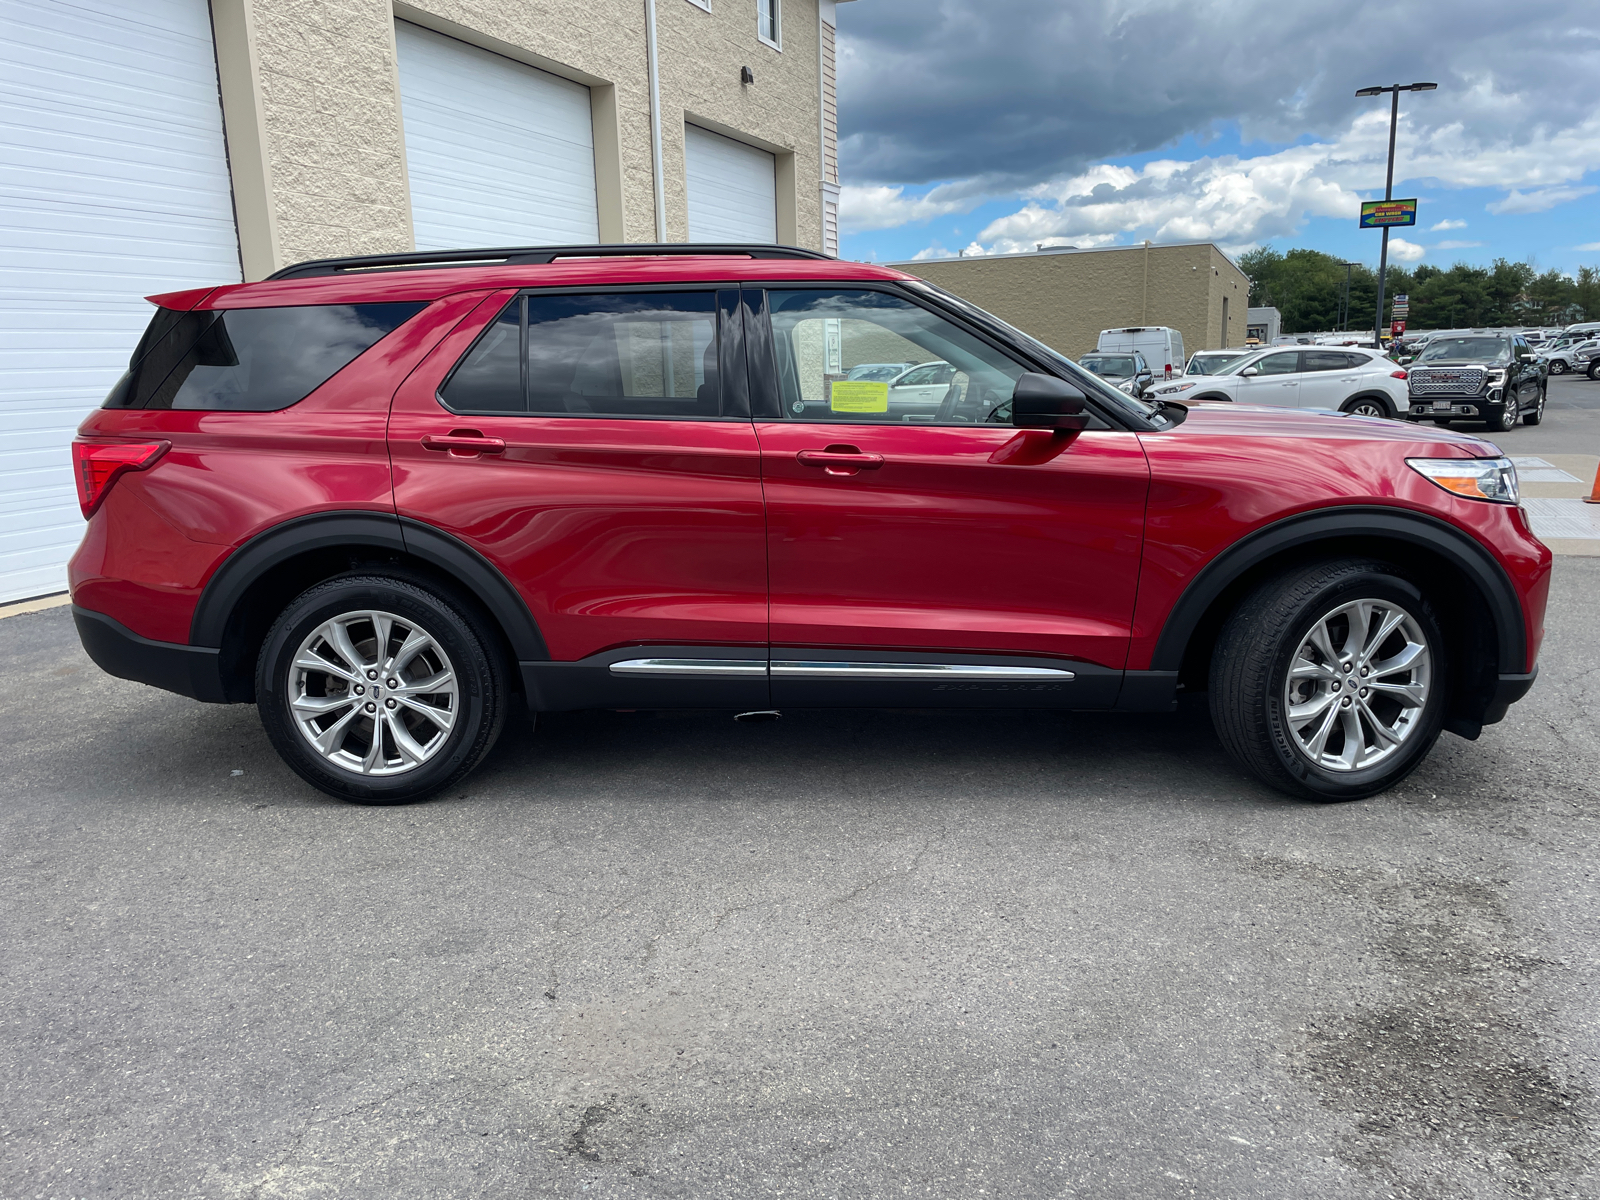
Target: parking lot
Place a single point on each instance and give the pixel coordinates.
(846, 954)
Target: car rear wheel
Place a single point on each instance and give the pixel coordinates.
(1366, 406)
(379, 690)
(1558, 367)
(1329, 682)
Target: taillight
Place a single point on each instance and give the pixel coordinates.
(96, 466)
(1397, 374)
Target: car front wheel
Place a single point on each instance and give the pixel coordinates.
(1329, 682)
(378, 689)
(1506, 419)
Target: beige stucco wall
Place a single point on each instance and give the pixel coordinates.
(317, 144)
(1065, 300)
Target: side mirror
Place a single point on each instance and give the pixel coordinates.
(1250, 372)
(1045, 402)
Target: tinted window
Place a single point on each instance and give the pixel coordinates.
(1328, 360)
(820, 334)
(643, 354)
(250, 359)
(489, 378)
(1279, 364)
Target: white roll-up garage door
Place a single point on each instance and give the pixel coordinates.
(499, 153)
(115, 187)
(733, 189)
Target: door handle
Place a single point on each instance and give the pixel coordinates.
(840, 460)
(463, 443)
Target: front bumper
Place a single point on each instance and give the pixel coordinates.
(193, 671)
(1434, 408)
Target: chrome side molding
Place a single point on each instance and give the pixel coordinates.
(871, 670)
(746, 668)
(698, 668)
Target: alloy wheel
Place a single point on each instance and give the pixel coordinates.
(1508, 416)
(373, 693)
(1557, 367)
(1358, 685)
(1367, 408)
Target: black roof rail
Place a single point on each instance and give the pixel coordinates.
(517, 256)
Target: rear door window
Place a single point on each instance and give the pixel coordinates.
(250, 359)
(627, 354)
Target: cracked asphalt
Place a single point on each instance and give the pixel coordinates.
(843, 955)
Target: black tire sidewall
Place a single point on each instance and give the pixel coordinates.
(1369, 585)
(475, 666)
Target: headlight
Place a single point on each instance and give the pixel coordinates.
(1475, 478)
(1172, 389)
(1126, 386)
(1496, 378)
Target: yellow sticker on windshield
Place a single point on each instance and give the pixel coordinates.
(858, 396)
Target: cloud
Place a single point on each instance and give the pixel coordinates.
(1403, 251)
(1538, 201)
(1239, 201)
(1588, 246)
(1455, 245)
(1447, 225)
(1022, 91)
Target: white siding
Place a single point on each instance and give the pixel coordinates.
(733, 189)
(498, 153)
(115, 187)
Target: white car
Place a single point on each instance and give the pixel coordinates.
(1574, 356)
(1349, 379)
(921, 389)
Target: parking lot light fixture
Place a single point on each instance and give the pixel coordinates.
(1394, 89)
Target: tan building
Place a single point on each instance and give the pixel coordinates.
(1065, 297)
(361, 127)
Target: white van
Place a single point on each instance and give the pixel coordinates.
(1161, 345)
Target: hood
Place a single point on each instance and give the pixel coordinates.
(1250, 420)
(1456, 362)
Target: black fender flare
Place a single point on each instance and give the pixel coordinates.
(1458, 548)
(242, 569)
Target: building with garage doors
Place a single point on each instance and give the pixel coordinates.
(1065, 296)
(153, 145)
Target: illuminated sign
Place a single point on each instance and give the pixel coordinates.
(1383, 214)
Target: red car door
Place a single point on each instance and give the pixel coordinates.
(597, 449)
(938, 542)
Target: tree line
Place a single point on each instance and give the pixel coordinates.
(1305, 286)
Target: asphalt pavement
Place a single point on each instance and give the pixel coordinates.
(850, 954)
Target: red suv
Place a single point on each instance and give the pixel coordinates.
(380, 497)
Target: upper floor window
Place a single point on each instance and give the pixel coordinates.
(769, 22)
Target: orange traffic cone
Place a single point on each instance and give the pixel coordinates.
(1594, 493)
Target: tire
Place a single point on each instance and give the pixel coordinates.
(1272, 630)
(1210, 397)
(1367, 406)
(1594, 369)
(1558, 366)
(430, 738)
(1506, 420)
(1537, 414)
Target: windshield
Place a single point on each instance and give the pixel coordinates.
(1117, 365)
(1468, 349)
(1210, 364)
(1086, 380)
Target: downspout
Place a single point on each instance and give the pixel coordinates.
(1144, 303)
(655, 118)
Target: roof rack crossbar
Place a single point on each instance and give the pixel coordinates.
(517, 256)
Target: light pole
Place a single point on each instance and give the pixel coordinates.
(1388, 188)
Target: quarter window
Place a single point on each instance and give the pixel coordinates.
(821, 334)
(637, 354)
(250, 359)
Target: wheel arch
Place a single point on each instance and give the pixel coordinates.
(1484, 628)
(1383, 398)
(255, 582)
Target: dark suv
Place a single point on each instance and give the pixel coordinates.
(1491, 377)
(381, 498)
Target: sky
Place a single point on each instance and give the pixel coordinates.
(992, 126)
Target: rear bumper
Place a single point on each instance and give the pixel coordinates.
(193, 671)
